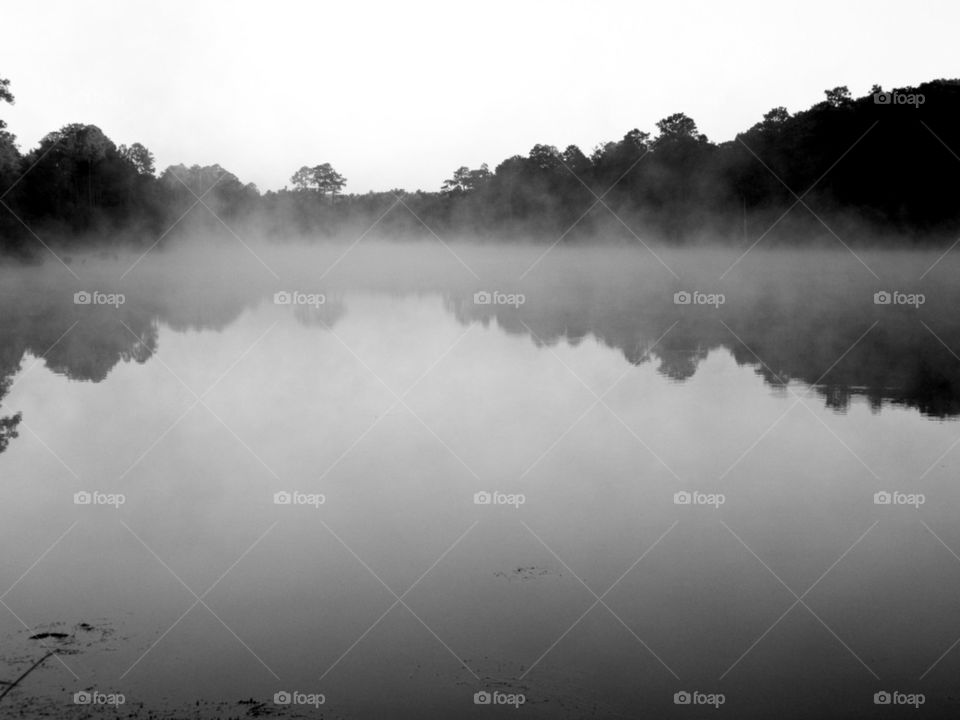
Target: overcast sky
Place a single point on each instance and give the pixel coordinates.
(397, 95)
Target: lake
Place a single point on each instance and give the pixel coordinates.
(589, 482)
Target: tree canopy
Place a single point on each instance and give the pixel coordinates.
(877, 164)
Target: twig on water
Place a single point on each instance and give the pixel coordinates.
(29, 670)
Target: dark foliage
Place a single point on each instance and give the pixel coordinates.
(860, 168)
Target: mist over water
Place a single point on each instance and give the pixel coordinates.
(789, 313)
(388, 388)
(404, 362)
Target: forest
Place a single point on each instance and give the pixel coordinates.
(879, 169)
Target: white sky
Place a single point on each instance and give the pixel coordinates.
(400, 94)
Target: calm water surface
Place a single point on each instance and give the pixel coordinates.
(397, 400)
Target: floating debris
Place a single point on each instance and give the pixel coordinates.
(11, 686)
(531, 572)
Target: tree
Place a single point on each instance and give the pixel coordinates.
(138, 156)
(9, 155)
(73, 176)
(776, 116)
(8, 425)
(465, 180)
(574, 159)
(638, 139)
(322, 178)
(458, 183)
(601, 151)
(838, 96)
(546, 158)
(5, 96)
(302, 179)
(328, 180)
(678, 127)
(220, 189)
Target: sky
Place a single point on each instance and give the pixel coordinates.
(398, 95)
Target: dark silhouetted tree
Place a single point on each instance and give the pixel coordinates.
(678, 127)
(839, 96)
(9, 155)
(138, 156)
(465, 180)
(320, 178)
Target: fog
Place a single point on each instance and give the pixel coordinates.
(397, 380)
(790, 313)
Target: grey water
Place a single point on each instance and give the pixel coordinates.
(217, 496)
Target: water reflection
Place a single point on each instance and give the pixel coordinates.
(313, 407)
(9, 423)
(813, 325)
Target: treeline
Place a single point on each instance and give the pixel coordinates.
(886, 165)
